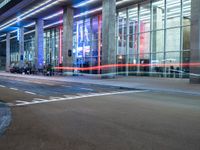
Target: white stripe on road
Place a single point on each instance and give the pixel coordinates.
(66, 86)
(27, 92)
(22, 102)
(2, 86)
(39, 100)
(54, 97)
(87, 89)
(35, 101)
(15, 89)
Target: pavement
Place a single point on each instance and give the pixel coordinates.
(145, 83)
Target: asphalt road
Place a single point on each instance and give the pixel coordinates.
(49, 115)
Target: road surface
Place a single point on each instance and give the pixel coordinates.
(52, 115)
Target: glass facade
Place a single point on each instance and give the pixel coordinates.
(154, 34)
(87, 42)
(29, 48)
(2, 55)
(51, 46)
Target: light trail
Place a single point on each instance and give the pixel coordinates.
(129, 65)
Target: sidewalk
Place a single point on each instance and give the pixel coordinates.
(148, 83)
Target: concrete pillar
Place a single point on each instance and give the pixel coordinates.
(68, 37)
(8, 52)
(39, 44)
(108, 37)
(195, 41)
(21, 46)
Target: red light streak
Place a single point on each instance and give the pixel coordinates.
(129, 65)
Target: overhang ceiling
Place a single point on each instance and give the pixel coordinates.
(25, 5)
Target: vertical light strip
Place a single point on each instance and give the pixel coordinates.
(60, 45)
(99, 43)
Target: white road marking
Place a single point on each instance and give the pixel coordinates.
(41, 101)
(79, 94)
(22, 102)
(48, 84)
(37, 82)
(87, 89)
(66, 86)
(54, 97)
(15, 89)
(2, 86)
(66, 96)
(30, 93)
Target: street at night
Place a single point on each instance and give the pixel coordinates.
(99, 75)
(64, 115)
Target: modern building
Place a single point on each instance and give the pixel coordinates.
(158, 38)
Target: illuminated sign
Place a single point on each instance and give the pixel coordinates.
(2, 4)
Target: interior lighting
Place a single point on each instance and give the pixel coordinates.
(29, 25)
(88, 12)
(53, 15)
(29, 13)
(2, 35)
(84, 3)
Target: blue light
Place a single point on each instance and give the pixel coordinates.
(18, 33)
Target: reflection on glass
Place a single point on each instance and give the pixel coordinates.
(144, 44)
(145, 17)
(173, 13)
(186, 12)
(173, 39)
(158, 8)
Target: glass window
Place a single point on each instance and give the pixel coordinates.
(158, 41)
(186, 38)
(122, 33)
(173, 39)
(158, 11)
(145, 43)
(157, 58)
(186, 12)
(87, 37)
(173, 13)
(173, 58)
(133, 20)
(145, 17)
(133, 42)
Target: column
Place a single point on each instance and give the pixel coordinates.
(21, 46)
(39, 40)
(8, 52)
(68, 37)
(108, 40)
(195, 42)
